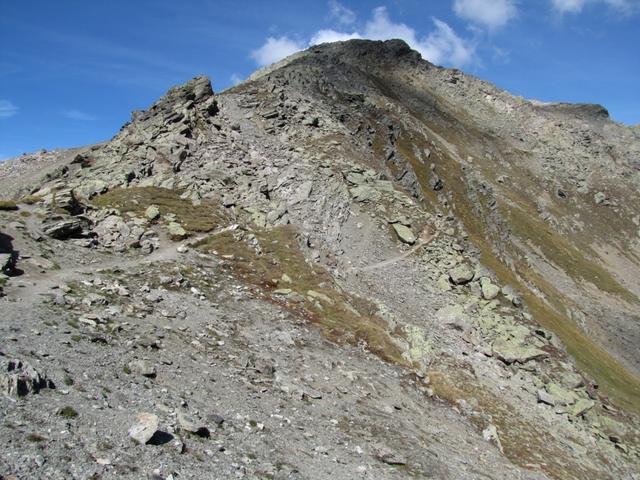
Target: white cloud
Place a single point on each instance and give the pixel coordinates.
(341, 13)
(442, 45)
(576, 6)
(7, 109)
(488, 13)
(327, 36)
(78, 115)
(275, 49)
(380, 27)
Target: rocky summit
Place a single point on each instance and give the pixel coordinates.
(355, 264)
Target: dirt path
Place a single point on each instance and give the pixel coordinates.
(32, 285)
(391, 261)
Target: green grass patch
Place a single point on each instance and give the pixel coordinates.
(35, 438)
(8, 205)
(341, 317)
(573, 261)
(31, 199)
(67, 412)
(613, 378)
(523, 442)
(194, 218)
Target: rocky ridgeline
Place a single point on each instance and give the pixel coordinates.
(334, 269)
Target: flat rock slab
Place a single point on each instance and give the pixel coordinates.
(404, 233)
(510, 352)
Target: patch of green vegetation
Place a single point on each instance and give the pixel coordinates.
(523, 442)
(68, 381)
(8, 205)
(612, 377)
(35, 438)
(341, 317)
(557, 249)
(30, 199)
(126, 370)
(76, 338)
(67, 412)
(194, 218)
(25, 213)
(72, 322)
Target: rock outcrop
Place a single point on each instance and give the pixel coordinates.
(355, 263)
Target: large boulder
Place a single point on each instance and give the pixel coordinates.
(489, 290)
(18, 379)
(404, 233)
(63, 227)
(117, 233)
(461, 274)
(511, 351)
(8, 262)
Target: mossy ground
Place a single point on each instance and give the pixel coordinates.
(524, 442)
(612, 377)
(8, 205)
(343, 318)
(204, 217)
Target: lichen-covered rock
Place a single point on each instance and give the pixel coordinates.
(365, 193)
(512, 351)
(404, 233)
(461, 274)
(556, 395)
(582, 406)
(152, 212)
(489, 290)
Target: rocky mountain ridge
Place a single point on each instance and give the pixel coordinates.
(405, 269)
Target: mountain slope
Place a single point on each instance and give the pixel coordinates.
(474, 251)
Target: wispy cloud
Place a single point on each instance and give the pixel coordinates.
(235, 79)
(78, 115)
(7, 109)
(576, 6)
(442, 45)
(341, 13)
(105, 59)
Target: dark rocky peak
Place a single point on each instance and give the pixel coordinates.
(583, 111)
(194, 94)
(368, 51)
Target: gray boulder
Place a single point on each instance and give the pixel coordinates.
(461, 274)
(62, 227)
(18, 379)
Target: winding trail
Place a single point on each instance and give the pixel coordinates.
(391, 261)
(30, 285)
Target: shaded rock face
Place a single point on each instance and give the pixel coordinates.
(353, 235)
(18, 379)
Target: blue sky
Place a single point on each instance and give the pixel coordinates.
(72, 71)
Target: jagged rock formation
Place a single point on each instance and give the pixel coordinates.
(355, 263)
